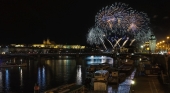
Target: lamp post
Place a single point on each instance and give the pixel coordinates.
(141, 48)
(132, 84)
(157, 46)
(167, 43)
(160, 47)
(163, 43)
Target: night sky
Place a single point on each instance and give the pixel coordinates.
(68, 21)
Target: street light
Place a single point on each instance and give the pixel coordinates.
(163, 43)
(141, 48)
(132, 83)
(167, 43)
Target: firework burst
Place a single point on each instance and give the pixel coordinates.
(95, 36)
(137, 22)
(119, 21)
(112, 17)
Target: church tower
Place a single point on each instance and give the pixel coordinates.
(48, 41)
(44, 42)
(152, 44)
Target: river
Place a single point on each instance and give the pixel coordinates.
(48, 73)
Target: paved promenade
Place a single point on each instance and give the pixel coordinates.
(143, 84)
(150, 84)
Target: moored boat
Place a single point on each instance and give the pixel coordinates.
(93, 68)
(101, 75)
(100, 80)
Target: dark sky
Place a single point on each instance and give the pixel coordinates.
(68, 21)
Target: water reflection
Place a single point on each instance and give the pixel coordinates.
(7, 80)
(79, 75)
(61, 71)
(1, 83)
(21, 77)
(41, 78)
(49, 73)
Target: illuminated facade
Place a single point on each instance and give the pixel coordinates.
(50, 44)
(47, 47)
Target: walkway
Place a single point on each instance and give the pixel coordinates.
(150, 84)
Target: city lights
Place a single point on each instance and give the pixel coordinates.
(163, 46)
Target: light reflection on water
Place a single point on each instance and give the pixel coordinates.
(47, 73)
(21, 77)
(41, 78)
(99, 60)
(79, 75)
(1, 83)
(7, 80)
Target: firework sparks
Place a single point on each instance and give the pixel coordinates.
(112, 17)
(119, 20)
(94, 36)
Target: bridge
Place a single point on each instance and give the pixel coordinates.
(79, 57)
(78, 54)
(55, 54)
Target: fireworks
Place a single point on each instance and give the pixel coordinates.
(138, 22)
(112, 17)
(119, 21)
(95, 36)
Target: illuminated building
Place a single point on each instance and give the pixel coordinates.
(46, 47)
(50, 44)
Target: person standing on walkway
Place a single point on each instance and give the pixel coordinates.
(36, 88)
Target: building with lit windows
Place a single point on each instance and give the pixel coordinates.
(46, 47)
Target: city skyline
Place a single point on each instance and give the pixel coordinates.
(68, 22)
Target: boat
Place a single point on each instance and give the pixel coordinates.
(67, 88)
(104, 74)
(101, 75)
(100, 80)
(104, 66)
(116, 77)
(89, 75)
(92, 68)
(127, 67)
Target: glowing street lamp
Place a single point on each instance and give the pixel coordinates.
(132, 83)
(167, 43)
(160, 42)
(142, 48)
